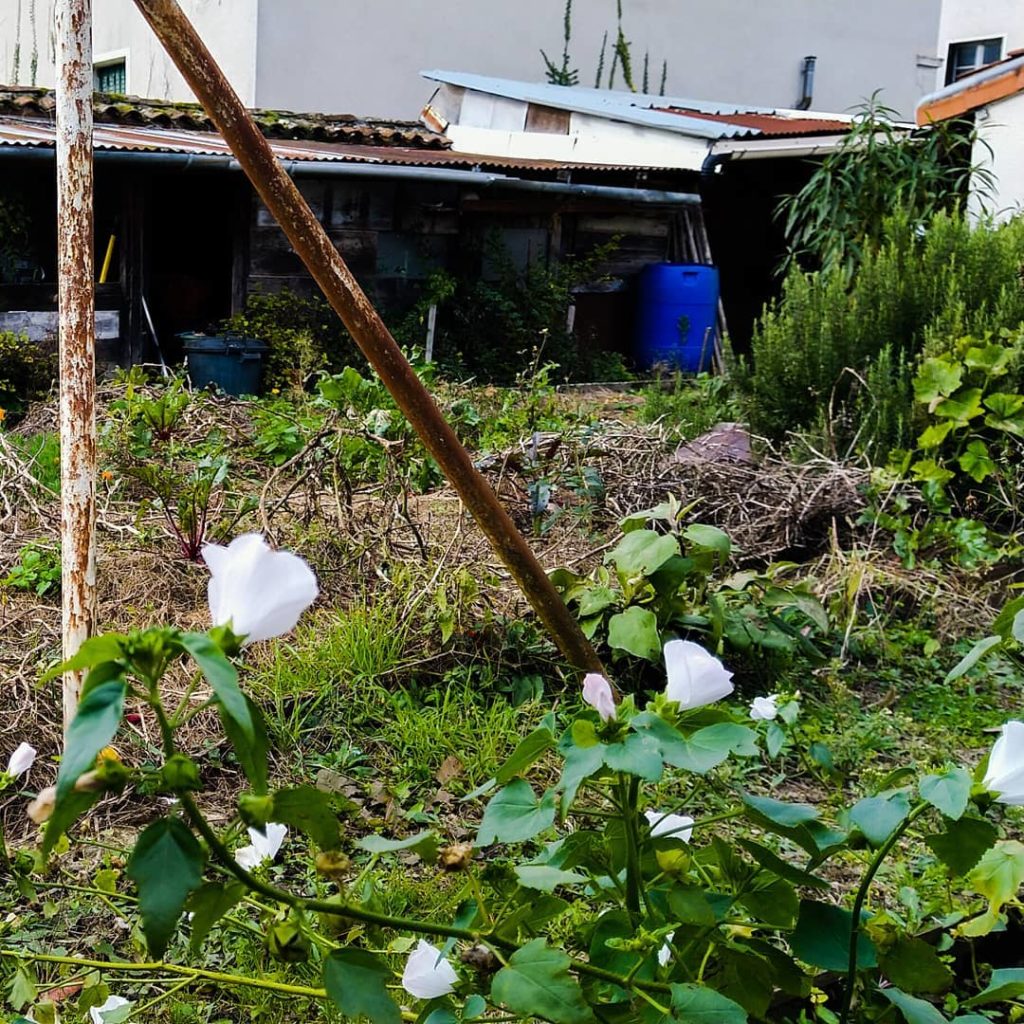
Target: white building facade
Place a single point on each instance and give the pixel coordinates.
(364, 56)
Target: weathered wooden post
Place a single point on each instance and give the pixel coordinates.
(77, 303)
(336, 281)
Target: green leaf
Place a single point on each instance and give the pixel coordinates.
(475, 1007)
(65, 813)
(641, 552)
(879, 816)
(701, 750)
(778, 812)
(309, 810)
(222, 677)
(775, 904)
(928, 471)
(545, 878)
(709, 538)
(990, 358)
(976, 462)
(93, 727)
(635, 630)
(914, 966)
(514, 814)
(933, 436)
(1004, 984)
(580, 763)
(999, 873)
(251, 751)
(536, 983)
(972, 657)
(93, 652)
(356, 982)
(596, 600)
(822, 938)
(424, 843)
(1007, 621)
(963, 407)
(695, 1004)
(948, 792)
(914, 1010)
(936, 379)
(638, 755)
(1005, 413)
(771, 861)
(529, 750)
(209, 904)
(964, 841)
(166, 865)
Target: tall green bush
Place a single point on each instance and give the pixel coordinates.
(815, 349)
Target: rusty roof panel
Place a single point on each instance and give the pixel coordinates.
(32, 132)
(769, 124)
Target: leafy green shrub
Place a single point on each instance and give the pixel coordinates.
(304, 335)
(495, 329)
(814, 348)
(27, 371)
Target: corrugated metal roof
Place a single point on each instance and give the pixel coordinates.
(774, 124)
(36, 133)
(698, 118)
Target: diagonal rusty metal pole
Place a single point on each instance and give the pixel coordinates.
(323, 261)
(76, 301)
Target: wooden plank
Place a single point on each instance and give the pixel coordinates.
(42, 325)
(547, 120)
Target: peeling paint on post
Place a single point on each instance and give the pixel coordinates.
(76, 297)
(324, 262)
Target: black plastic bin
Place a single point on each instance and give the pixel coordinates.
(231, 362)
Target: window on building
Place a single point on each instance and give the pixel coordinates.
(965, 58)
(112, 77)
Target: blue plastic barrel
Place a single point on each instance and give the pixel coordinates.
(677, 314)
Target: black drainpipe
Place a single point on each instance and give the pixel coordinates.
(807, 83)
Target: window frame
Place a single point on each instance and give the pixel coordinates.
(959, 45)
(111, 59)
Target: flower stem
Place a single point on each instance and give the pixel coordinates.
(858, 904)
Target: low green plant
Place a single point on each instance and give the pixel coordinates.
(689, 406)
(668, 579)
(27, 372)
(37, 570)
(185, 497)
(41, 453)
(597, 901)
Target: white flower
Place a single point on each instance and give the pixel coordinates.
(264, 845)
(695, 678)
(665, 953)
(21, 760)
(96, 1013)
(427, 974)
(1005, 774)
(597, 692)
(764, 709)
(260, 593)
(674, 826)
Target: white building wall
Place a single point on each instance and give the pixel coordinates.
(966, 20)
(229, 28)
(1000, 149)
(364, 56)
